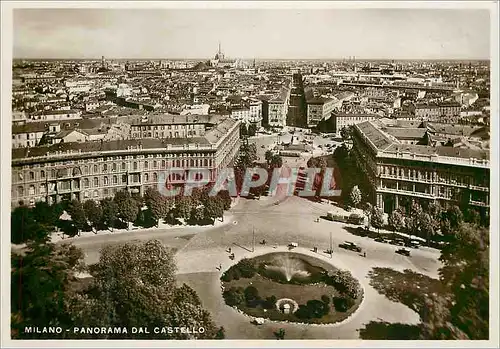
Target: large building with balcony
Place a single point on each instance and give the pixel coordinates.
(95, 170)
(397, 172)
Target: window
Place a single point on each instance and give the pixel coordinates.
(155, 164)
(43, 188)
(146, 165)
(20, 191)
(163, 164)
(146, 177)
(115, 180)
(124, 179)
(135, 165)
(42, 174)
(32, 175)
(105, 167)
(155, 177)
(96, 193)
(95, 169)
(106, 182)
(205, 162)
(86, 183)
(114, 166)
(124, 166)
(96, 182)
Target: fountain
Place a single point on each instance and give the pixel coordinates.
(288, 266)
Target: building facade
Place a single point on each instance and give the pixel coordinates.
(398, 173)
(95, 170)
(319, 109)
(346, 120)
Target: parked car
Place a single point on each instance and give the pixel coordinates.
(350, 246)
(403, 251)
(413, 244)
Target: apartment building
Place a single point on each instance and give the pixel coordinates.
(320, 108)
(94, 170)
(341, 120)
(398, 172)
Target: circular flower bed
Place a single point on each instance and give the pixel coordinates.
(315, 291)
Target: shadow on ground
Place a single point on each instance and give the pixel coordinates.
(408, 287)
(375, 330)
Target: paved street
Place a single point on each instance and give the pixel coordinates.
(293, 220)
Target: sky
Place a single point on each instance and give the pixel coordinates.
(252, 33)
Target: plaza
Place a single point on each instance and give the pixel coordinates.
(200, 252)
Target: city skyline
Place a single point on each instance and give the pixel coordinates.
(436, 34)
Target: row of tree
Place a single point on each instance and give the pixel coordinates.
(35, 223)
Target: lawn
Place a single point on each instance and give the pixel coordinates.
(299, 293)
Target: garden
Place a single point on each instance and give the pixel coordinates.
(292, 287)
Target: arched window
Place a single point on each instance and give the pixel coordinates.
(146, 177)
(95, 169)
(163, 164)
(115, 180)
(96, 182)
(146, 165)
(105, 167)
(155, 177)
(86, 183)
(106, 182)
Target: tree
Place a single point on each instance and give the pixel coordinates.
(183, 207)
(355, 196)
(158, 204)
(128, 211)
(268, 156)
(464, 313)
(377, 218)
(368, 210)
(225, 198)
(109, 212)
(426, 226)
(46, 214)
(243, 129)
(22, 223)
(397, 221)
(77, 213)
(214, 208)
(413, 219)
(252, 129)
(346, 133)
(134, 286)
(93, 213)
(41, 279)
(276, 161)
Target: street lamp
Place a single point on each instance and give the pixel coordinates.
(331, 246)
